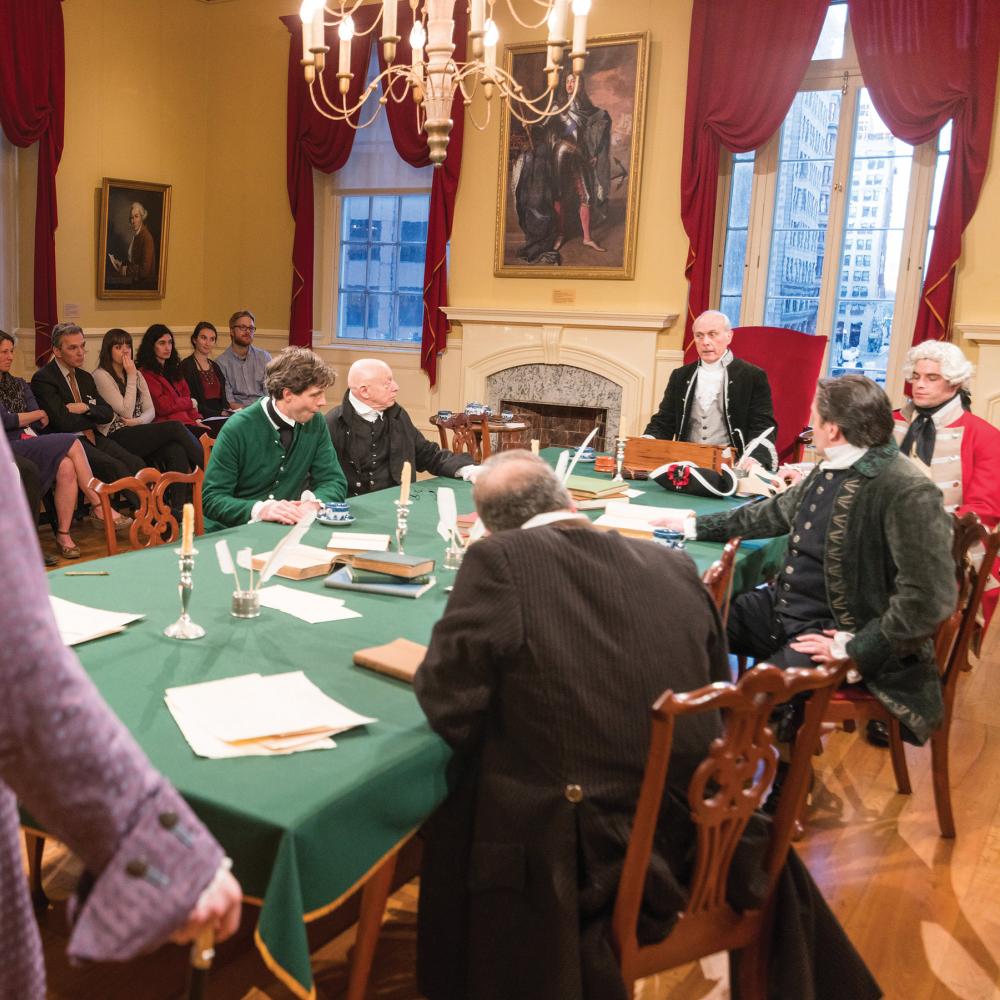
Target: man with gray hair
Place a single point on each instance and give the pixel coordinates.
(718, 399)
(266, 453)
(242, 363)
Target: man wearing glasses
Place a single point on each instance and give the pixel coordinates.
(242, 363)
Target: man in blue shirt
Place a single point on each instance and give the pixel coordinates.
(242, 363)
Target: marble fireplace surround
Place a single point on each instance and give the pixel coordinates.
(620, 348)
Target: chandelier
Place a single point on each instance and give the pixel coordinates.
(432, 76)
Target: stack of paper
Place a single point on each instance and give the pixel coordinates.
(633, 518)
(355, 541)
(78, 623)
(253, 716)
(312, 608)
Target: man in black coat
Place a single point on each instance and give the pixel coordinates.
(67, 393)
(540, 676)
(373, 435)
(718, 399)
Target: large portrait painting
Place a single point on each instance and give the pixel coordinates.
(568, 198)
(132, 252)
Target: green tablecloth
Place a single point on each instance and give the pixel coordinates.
(302, 830)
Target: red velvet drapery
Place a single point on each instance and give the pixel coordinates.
(412, 147)
(925, 62)
(32, 106)
(315, 141)
(745, 64)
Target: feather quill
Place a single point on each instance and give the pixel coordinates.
(225, 558)
(576, 457)
(561, 463)
(275, 562)
(447, 513)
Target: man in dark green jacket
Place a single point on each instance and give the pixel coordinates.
(868, 573)
(266, 454)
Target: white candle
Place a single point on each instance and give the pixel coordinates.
(476, 15)
(187, 530)
(318, 25)
(580, 10)
(346, 33)
(491, 38)
(388, 18)
(557, 22)
(305, 14)
(404, 485)
(534, 446)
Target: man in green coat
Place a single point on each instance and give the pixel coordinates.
(868, 573)
(268, 453)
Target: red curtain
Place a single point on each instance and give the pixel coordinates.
(411, 144)
(745, 64)
(315, 142)
(925, 62)
(32, 106)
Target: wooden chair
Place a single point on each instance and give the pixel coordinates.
(792, 361)
(719, 577)
(725, 790)
(207, 444)
(468, 434)
(154, 522)
(854, 706)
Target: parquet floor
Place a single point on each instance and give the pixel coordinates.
(923, 911)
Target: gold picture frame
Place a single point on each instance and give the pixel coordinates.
(132, 227)
(590, 156)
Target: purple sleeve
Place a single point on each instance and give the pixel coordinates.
(78, 771)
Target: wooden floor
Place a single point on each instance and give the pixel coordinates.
(923, 911)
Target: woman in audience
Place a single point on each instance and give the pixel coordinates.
(160, 364)
(61, 461)
(204, 377)
(167, 445)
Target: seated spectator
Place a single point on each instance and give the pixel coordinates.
(31, 483)
(204, 377)
(374, 435)
(167, 445)
(160, 365)
(243, 364)
(59, 459)
(70, 762)
(266, 454)
(66, 391)
(540, 676)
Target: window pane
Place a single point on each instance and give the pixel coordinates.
(379, 319)
(831, 37)
(356, 212)
(880, 167)
(737, 222)
(413, 219)
(801, 210)
(353, 265)
(351, 321)
(385, 214)
(382, 267)
(410, 275)
(411, 317)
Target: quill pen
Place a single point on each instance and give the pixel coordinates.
(275, 562)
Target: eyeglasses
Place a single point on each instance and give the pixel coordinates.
(245, 328)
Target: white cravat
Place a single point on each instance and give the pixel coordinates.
(708, 381)
(363, 410)
(551, 516)
(841, 456)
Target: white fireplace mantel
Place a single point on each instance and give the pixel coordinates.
(986, 382)
(657, 322)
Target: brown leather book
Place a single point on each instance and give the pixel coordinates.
(399, 658)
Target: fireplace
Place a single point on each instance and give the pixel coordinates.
(557, 426)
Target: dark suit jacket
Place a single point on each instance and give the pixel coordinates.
(53, 393)
(540, 675)
(748, 407)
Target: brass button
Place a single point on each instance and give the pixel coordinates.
(168, 820)
(829, 475)
(808, 525)
(819, 489)
(796, 538)
(812, 508)
(574, 793)
(137, 868)
(789, 570)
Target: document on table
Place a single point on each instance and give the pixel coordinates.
(79, 623)
(254, 715)
(634, 519)
(312, 608)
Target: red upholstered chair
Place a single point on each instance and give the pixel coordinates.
(792, 361)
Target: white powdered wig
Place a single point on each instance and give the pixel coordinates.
(955, 366)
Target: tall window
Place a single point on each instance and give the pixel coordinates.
(381, 209)
(817, 219)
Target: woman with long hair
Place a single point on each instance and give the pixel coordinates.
(167, 444)
(61, 461)
(204, 377)
(160, 364)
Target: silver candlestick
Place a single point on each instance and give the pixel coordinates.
(184, 628)
(619, 460)
(402, 515)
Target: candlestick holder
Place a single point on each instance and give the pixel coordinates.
(402, 516)
(619, 460)
(454, 552)
(184, 628)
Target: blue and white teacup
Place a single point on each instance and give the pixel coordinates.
(506, 416)
(587, 454)
(336, 511)
(444, 414)
(669, 537)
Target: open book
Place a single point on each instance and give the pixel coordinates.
(634, 519)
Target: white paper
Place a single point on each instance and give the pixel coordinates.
(80, 623)
(292, 557)
(632, 494)
(311, 608)
(635, 517)
(356, 541)
(252, 707)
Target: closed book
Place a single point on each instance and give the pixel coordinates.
(399, 658)
(393, 563)
(341, 580)
(589, 488)
(373, 576)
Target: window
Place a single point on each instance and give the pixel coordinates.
(379, 213)
(833, 181)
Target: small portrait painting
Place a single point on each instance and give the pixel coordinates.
(569, 183)
(133, 226)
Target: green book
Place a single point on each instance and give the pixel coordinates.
(393, 564)
(374, 576)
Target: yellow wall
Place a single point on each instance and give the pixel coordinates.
(194, 94)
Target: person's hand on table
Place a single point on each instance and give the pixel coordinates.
(218, 908)
(747, 463)
(790, 474)
(819, 647)
(282, 511)
(675, 520)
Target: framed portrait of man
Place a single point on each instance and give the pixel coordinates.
(568, 192)
(132, 249)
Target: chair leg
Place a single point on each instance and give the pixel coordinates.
(373, 900)
(898, 755)
(942, 779)
(36, 848)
